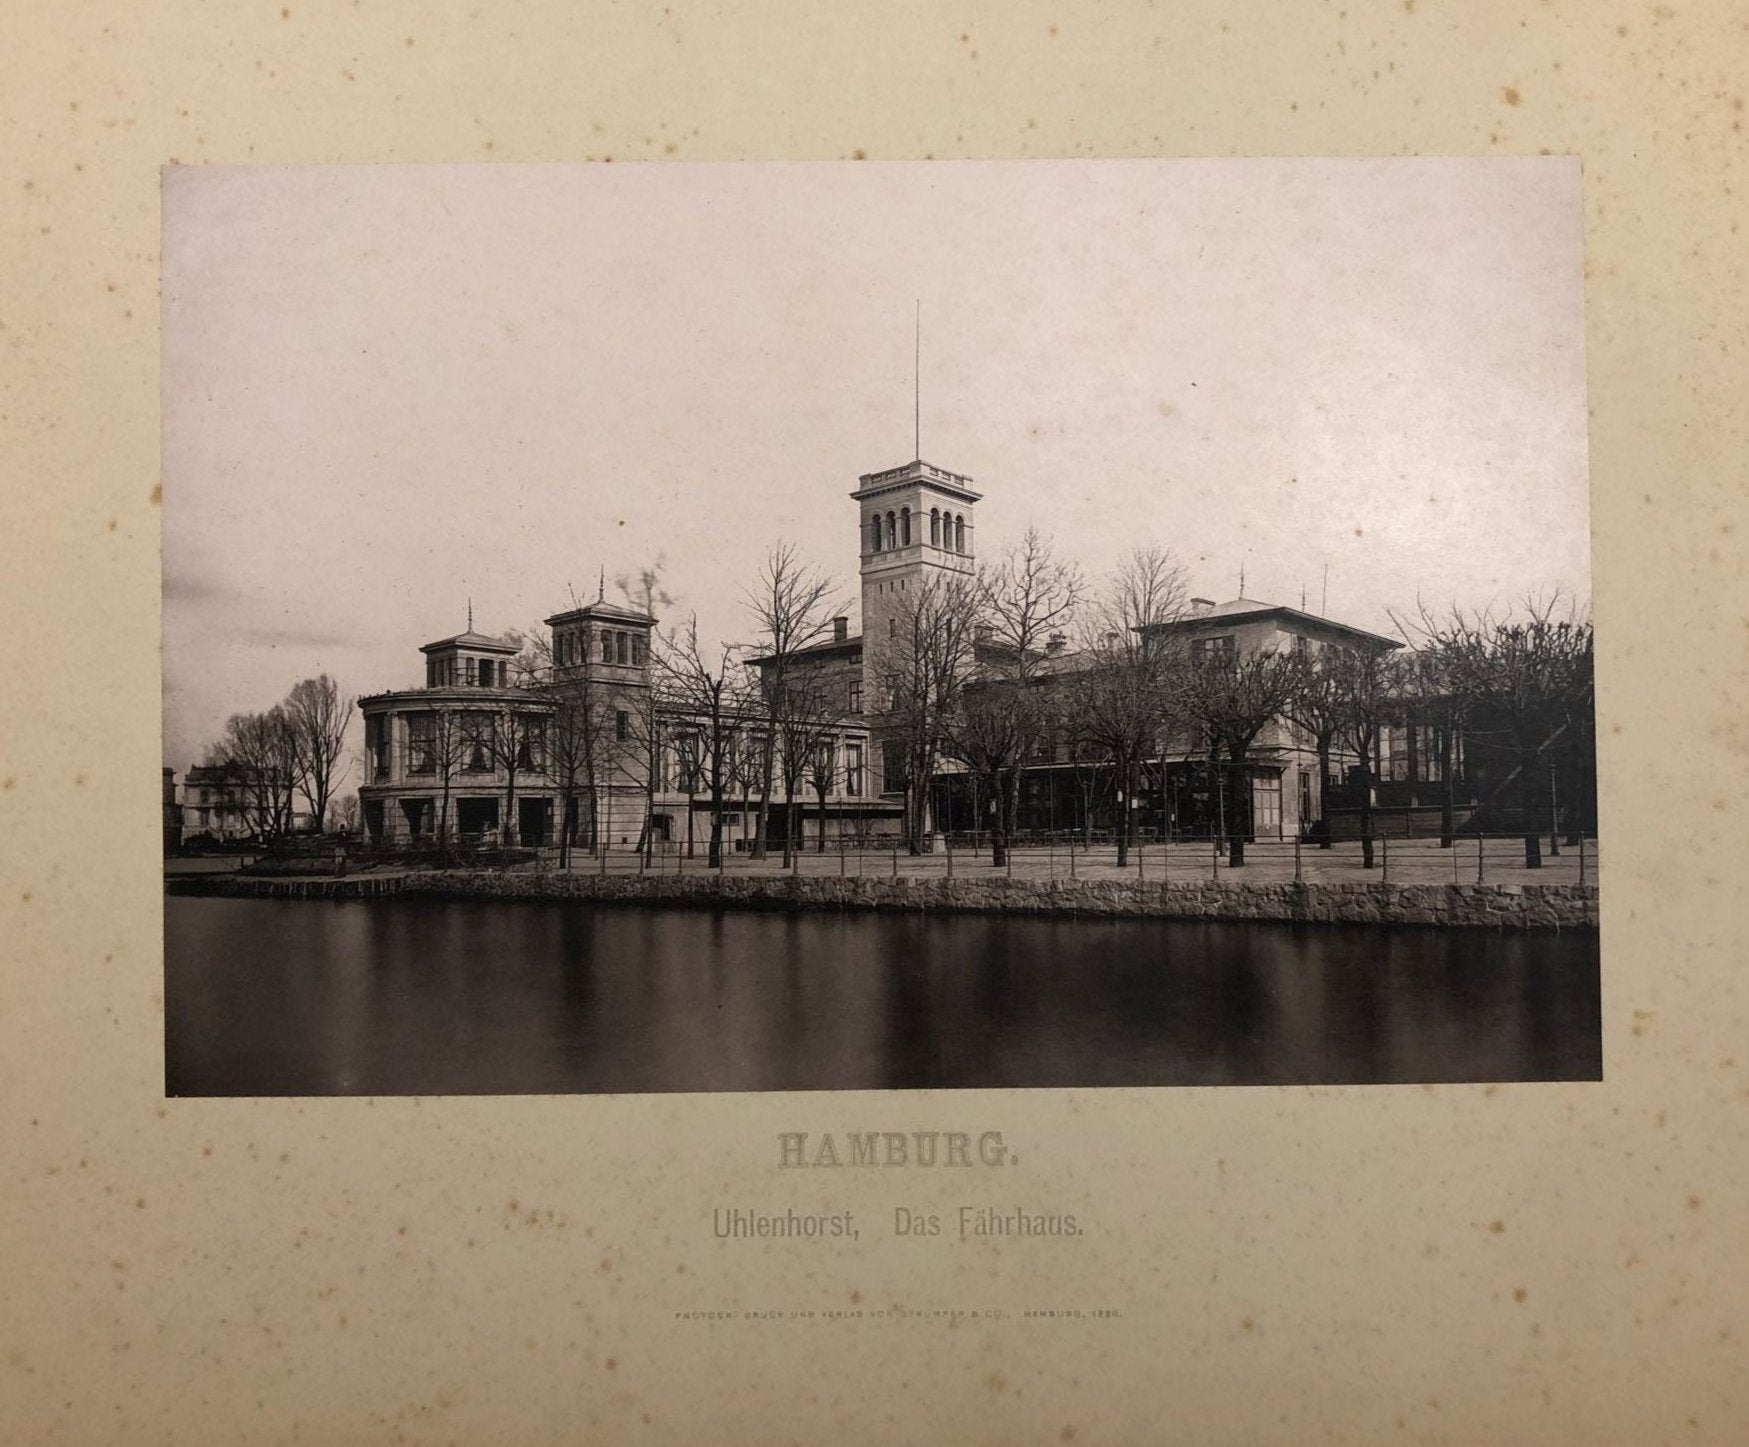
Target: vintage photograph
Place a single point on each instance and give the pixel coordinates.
(841, 626)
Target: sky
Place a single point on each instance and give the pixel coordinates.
(390, 390)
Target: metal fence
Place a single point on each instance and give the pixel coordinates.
(1469, 859)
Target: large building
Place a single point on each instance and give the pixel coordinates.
(478, 754)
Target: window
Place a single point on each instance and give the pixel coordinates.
(376, 745)
(421, 750)
(935, 527)
(823, 765)
(959, 534)
(892, 627)
(1393, 753)
(856, 695)
(892, 532)
(531, 750)
(431, 673)
(905, 527)
(469, 675)
(606, 646)
(853, 767)
(686, 761)
(622, 725)
(624, 646)
(476, 743)
(637, 650)
(874, 534)
(1213, 650)
(1429, 767)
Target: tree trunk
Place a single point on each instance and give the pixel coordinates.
(1365, 784)
(1448, 799)
(766, 768)
(714, 850)
(1238, 810)
(1324, 792)
(1527, 799)
(1125, 795)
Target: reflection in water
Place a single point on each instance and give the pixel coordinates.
(267, 997)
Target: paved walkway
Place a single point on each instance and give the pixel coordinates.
(1402, 861)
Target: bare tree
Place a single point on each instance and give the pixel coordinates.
(1127, 693)
(922, 670)
(1529, 675)
(438, 744)
(1318, 706)
(704, 686)
(806, 718)
(317, 715)
(1234, 699)
(1003, 716)
(1370, 688)
(515, 741)
(792, 606)
(261, 749)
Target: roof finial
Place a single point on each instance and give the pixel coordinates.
(601, 589)
(470, 612)
(917, 384)
(1241, 578)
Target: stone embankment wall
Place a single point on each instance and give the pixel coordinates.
(1489, 906)
(1482, 906)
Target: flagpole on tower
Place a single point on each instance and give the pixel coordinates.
(917, 384)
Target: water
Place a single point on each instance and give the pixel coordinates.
(391, 997)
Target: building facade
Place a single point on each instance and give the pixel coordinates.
(511, 746)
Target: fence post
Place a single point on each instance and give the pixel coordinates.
(895, 859)
(1296, 858)
(947, 842)
(841, 854)
(1581, 856)
(1481, 852)
(1071, 856)
(1141, 862)
(1214, 856)
(1384, 858)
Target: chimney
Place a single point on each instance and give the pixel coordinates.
(840, 630)
(1201, 607)
(1056, 644)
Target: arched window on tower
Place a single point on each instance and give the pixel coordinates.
(892, 532)
(606, 646)
(935, 527)
(959, 534)
(625, 648)
(905, 527)
(874, 534)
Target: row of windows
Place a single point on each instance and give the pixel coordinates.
(617, 646)
(688, 776)
(474, 672)
(946, 530)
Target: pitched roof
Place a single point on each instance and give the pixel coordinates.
(1237, 609)
(471, 639)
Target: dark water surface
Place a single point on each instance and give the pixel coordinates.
(387, 997)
